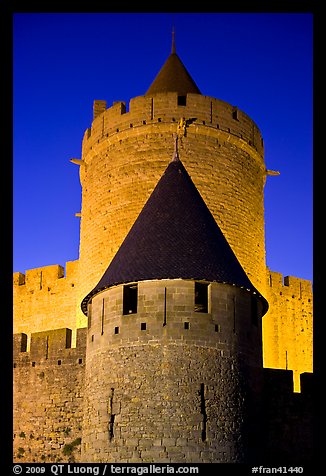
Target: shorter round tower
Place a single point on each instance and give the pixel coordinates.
(174, 347)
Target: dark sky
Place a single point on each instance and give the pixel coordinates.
(260, 62)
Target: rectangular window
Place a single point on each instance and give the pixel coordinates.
(182, 100)
(130, 299)
(201, 297)
(235, 114)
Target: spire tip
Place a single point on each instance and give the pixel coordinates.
(173, 41)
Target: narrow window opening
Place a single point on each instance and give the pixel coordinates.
(130, 299)
(235, 114)
(201, 297)
(143, 326)
(203, 412)
(47, 348)
(111, 415)
(33, 364)
(217, 328)
(111, 427)
(102, 318)
(92, 338)
(59, 362)
(270, 280)
(23, 345)
(186, 325)
(116, 330)
(164, 316)
(182, 100)
(80, 361)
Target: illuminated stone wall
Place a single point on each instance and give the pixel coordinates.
(288, 325)
(124, 156)
(126, 152)
(48, 396)
(45, 298)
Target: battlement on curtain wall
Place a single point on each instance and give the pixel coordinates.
(51, 347)
(45, 298)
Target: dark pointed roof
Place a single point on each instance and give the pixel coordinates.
(174, 236)
(173, 77)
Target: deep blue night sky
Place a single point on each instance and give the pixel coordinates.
(260, 62)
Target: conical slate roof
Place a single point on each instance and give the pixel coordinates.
(173, 77)
(174, 236)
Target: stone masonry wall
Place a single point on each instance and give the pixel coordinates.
(169, 384)
(126, 152)
(289, 419)
(288, 325)
(45, 298)
(47, 396)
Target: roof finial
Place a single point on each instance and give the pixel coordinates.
(173, 41)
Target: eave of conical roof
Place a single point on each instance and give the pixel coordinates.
(173, 77)
(175, 236)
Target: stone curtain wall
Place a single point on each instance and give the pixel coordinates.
(45, 298)
(288, 325)
(48, 396)
(167, 384)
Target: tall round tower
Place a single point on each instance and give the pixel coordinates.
(127, 149)
(174, 348)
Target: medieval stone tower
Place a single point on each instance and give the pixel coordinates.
(126, 151)
(172, 286)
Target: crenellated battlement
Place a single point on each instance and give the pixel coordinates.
(288, 325)
(287, 415)
(49, 345)
(281, 382)
(297, 287)
(198, 110)
(45, 276)
(45, 298)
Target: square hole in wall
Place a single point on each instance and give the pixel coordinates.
(143, 326)
(130, 299)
